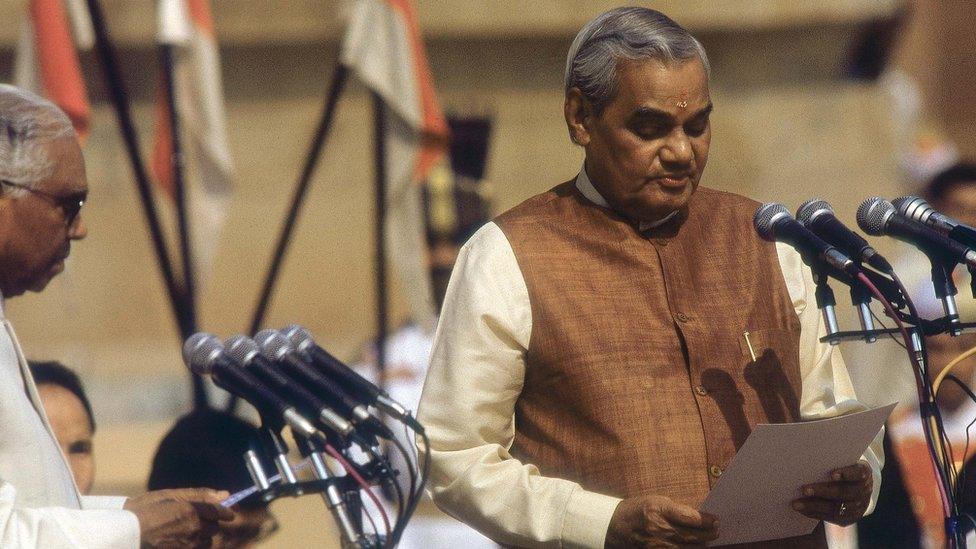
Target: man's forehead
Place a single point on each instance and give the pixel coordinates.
(68, 177)
(656, 84)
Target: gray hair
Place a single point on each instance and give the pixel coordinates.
(624, 33)
(27, 123)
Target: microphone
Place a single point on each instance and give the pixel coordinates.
(878, 217)
(204, 355)
(773, 222)
(245, 352)
(277, 348)
(817, 215)
(356, 384)
(914, 207)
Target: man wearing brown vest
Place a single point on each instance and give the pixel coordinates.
(606, 347)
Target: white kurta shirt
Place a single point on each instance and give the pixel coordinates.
(39, 502)
(476, 374)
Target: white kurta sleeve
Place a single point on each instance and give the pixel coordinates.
(63, 528)
(468, 409)
(103, 502)
(827, 389)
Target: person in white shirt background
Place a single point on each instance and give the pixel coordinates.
(455, 207)
(951, 191)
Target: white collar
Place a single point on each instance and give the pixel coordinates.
(590, 193)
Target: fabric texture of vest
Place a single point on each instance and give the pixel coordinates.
(639, 374)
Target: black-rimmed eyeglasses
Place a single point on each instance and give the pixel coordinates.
(70, 204)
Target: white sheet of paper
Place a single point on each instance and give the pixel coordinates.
(752, 497)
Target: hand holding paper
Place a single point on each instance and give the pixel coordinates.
(753, 498)
(841, 500)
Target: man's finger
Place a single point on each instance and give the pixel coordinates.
(823, 509)
(212, 511)
(839, 491)
(852, 473)
(693, 535)
(682, 515)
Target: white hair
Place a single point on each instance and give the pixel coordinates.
(624, 33)
(27, 123)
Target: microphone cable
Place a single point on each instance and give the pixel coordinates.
(926, 409)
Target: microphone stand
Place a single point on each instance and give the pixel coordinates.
(945, 290)
(276, 447)
(336, 500)
(825, 300)
(861, 298)
(917, 328)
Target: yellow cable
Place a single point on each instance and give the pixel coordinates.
(952, 363)
(935, 388)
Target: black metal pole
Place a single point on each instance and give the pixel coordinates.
(379, 159)
(189, 324)
(298, 199)
(120, 101)
(339, 77)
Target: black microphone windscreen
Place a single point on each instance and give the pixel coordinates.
(199, 352)
(241, 348)
(273, 344)
(873, 214)
(766, 217)
(299, 336)
(811, 209)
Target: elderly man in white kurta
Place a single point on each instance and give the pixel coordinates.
(42, 190)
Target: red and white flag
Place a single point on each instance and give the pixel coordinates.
(383, 46)
(47, 57)
(187, 26)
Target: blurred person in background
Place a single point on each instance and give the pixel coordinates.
(909, 512)
(43, 187)
(71, 417)
(455, 207)
(206, 448)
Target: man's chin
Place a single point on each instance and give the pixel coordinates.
(39, 284)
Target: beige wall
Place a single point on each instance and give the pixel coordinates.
(786, 128)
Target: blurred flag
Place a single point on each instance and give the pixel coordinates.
(384, 48)
(187, 26)
(47, 57)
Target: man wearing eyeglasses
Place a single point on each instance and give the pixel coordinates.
(42, 190)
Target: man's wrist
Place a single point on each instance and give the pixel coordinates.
(587, 519)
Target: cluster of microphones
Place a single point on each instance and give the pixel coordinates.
(334, 415)
(833, 250)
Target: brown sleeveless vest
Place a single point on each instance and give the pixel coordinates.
(639, 379)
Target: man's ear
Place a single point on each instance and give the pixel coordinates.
(579, 116)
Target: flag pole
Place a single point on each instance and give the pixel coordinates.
(339, 77)
(298, 198)
(379, 160)
(120, 102)
(177, 165)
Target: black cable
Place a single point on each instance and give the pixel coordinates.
(929, 407)
(960, 480)
(418, 491)
(402, 503)
(890, 335)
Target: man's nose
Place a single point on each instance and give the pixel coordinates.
(677, 149)
(77, 230)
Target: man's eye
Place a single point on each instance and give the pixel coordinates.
(651, 132)
(697, 127)
(80, 447)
